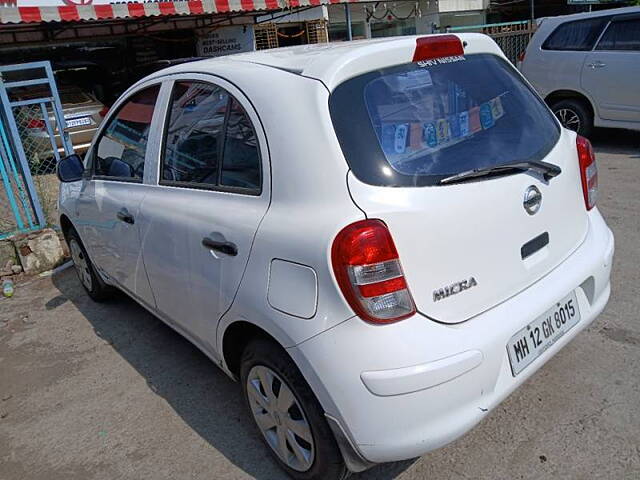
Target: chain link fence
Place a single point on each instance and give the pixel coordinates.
(37, 144)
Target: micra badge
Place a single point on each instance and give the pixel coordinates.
(453, 289)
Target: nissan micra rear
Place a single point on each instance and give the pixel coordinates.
(379, 240)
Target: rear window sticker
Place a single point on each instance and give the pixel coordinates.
(442, 129)
(486, 117)
(415, 136)
(463, 119)
(454, 126)
(401, 134)
(440, 61)
(388, 138)
(496, 108)
(474, 120)
(430, 135)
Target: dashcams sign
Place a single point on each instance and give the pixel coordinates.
(226, 40)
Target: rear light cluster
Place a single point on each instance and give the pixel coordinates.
(36, 124)
(588, 171)
(103, 111)
(368, 271)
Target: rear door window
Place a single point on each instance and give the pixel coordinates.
(414, 124)
(194, 136)
(621, 35)
(210, 142)
(579, 35)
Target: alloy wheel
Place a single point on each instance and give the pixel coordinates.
(569, 119)
(81, 264)
(280, 418)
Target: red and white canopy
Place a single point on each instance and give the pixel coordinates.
(28, 11)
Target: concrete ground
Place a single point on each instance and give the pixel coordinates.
(106, 391)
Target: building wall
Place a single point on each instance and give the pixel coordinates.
(462, 5)
(383, 19)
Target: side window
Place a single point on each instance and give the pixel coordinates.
(194, 134)
(120, 150)
(579, 35)
(241, 160)
(622, 35)
(209, 141)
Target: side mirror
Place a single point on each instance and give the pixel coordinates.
(70, 169)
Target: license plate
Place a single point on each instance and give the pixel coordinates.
(534, 339)
(77, 122)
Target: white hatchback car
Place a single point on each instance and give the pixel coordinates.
(381, 240)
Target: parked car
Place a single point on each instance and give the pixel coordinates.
(82, 114)
(381, 240)
(81, 109)
(586, 66)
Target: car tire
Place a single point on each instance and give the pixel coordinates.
(89, 278)
(574, 115)
(264, 362)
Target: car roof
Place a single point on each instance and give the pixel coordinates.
(598, 13)
(332, 63)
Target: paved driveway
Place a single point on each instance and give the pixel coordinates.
(90, 391)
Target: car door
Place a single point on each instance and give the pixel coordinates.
(557, 64)
(200, 219)
(109, 201)
(611, 72)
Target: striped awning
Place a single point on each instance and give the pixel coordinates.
(75, 13)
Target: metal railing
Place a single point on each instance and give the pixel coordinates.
(511, 37)
(31, 125)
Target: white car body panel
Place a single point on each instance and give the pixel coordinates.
(394, 391)
(490, 227)
(408, 425)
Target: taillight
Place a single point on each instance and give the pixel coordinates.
(588, 171)
(368, 271)
(104, 111)
(438, 46)
(36, 124)
(521, 56)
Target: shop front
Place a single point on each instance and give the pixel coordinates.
(102, 47)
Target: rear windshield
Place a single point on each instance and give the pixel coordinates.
(414, 124)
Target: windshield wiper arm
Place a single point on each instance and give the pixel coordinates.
(547, 170)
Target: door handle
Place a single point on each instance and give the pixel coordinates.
(597, 64)
(125, 216)
(222, 246)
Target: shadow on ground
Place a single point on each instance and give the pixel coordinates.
(204, 397)
(615, 141)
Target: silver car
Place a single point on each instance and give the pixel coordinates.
(587, 67)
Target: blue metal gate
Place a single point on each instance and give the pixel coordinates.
(29, 145)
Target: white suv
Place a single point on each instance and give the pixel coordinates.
(587, 67)
(381, 240)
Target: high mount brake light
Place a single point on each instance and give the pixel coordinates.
(368, 271)
(588, 171)
(438, 46)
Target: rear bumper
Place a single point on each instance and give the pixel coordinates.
(401, 390)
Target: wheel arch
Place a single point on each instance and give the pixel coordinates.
(65, 224)
(559, 95)
(235, 339)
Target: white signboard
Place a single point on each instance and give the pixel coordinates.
(226, 40)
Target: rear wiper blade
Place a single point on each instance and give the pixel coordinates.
(547, 170)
